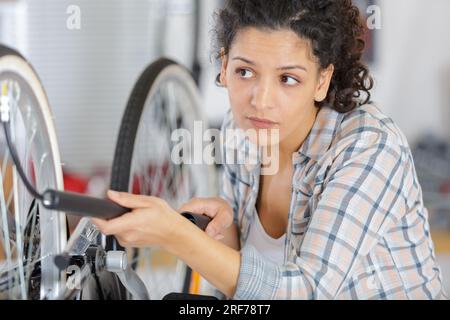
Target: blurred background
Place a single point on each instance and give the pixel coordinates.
(88, 71)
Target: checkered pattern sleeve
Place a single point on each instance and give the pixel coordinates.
(361, 198)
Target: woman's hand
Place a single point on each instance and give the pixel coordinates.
(217, 209)
(151, 221)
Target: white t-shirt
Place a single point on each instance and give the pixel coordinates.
(270, 248)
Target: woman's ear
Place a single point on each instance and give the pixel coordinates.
(223, 69)
(323, 85)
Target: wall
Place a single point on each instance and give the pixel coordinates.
(414, 61)
(89, 73)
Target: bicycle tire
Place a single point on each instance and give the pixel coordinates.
(47, 236)
(146, 88)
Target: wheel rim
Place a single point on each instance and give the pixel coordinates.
(172, 103)
(29, 232)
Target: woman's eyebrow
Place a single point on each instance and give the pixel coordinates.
(280, 68)
(244, 59)
(293, 67)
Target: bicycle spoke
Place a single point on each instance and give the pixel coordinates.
(19, 242)
(5, 228)
(4, 163)
(172, 107)
(31, 262)
(170, 104)
(9, 200)
(18, 198)
(31, 238)
(32, 136)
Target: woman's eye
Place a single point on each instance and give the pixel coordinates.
(244, 73)
(289, 80)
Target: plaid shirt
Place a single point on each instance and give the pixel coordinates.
(357, 226)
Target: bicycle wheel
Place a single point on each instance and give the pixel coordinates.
(30, 235)
(165, 98)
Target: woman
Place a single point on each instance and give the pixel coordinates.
(343, 216)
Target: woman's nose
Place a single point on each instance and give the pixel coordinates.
(263, 95)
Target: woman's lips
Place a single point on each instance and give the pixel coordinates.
(262, 123)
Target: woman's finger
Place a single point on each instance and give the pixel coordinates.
(99, 223)
(196, 205)
(221, 221)
(129, 200)
(115, 226)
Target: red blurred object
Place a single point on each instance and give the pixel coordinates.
(75, 183)
(445, 187)
(165, 181)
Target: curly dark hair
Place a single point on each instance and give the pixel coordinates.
(333, 27)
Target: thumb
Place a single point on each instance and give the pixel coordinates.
(128, 200)
(220, 222)
(196, 205)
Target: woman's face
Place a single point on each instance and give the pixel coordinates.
(273, 81)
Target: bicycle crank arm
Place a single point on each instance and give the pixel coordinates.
(117, 262)
(85, 206)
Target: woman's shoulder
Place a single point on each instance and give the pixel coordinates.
(368, 125)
